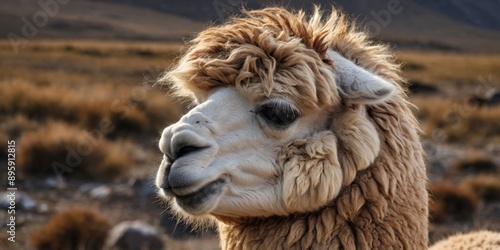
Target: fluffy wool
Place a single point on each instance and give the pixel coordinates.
(361, 184)
(485, 240)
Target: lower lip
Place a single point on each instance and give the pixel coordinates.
(201, 196)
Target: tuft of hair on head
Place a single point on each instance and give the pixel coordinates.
(278, 51)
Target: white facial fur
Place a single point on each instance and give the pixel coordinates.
(239, 149)
(231, 165)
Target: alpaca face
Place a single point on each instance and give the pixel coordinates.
(237, 156)
(221, 157)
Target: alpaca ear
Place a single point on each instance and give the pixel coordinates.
(357, 84)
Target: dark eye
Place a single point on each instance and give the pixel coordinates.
(278, 114)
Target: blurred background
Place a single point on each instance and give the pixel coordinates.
(77, 96)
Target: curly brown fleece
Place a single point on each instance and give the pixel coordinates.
(485, 240)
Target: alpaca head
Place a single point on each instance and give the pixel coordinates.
(280, 122)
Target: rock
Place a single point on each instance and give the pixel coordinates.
(122, 190)
(22, 201)
(27, 203)
(134, 235)
(101, 192)
(54, 183)
(95, 190)
(87, 187)
(43, 208)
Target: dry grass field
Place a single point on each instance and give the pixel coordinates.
(461, 137)
(456, 78)
(54, 95)
(450, 67)
(57, 96)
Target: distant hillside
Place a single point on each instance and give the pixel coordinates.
(97, 20)
(425, 24)
(458, 25)
(482, 13)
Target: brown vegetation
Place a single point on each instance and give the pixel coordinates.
(79, 228)
(3, 146)
(442, 67)
(450, 202)
(486, 187)
(85, 107)
(55, 94)
(72, 81)
(444, 120)
(59, 148)
(14, 125)
(475, 163)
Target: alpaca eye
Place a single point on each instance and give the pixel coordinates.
(278, 114)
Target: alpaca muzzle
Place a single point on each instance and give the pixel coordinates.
(186, 154)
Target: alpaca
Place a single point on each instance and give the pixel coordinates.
(475, 240)
(301, 137)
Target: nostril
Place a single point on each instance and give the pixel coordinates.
(185, 141)
(186, 150)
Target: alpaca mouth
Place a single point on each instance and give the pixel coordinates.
(201, 200)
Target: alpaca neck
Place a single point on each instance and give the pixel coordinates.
(395, 223)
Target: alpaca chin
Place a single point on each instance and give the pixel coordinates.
(202, 201)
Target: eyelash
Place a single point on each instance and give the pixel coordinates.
(277, 114)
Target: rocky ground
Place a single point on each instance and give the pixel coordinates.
(126, 200)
